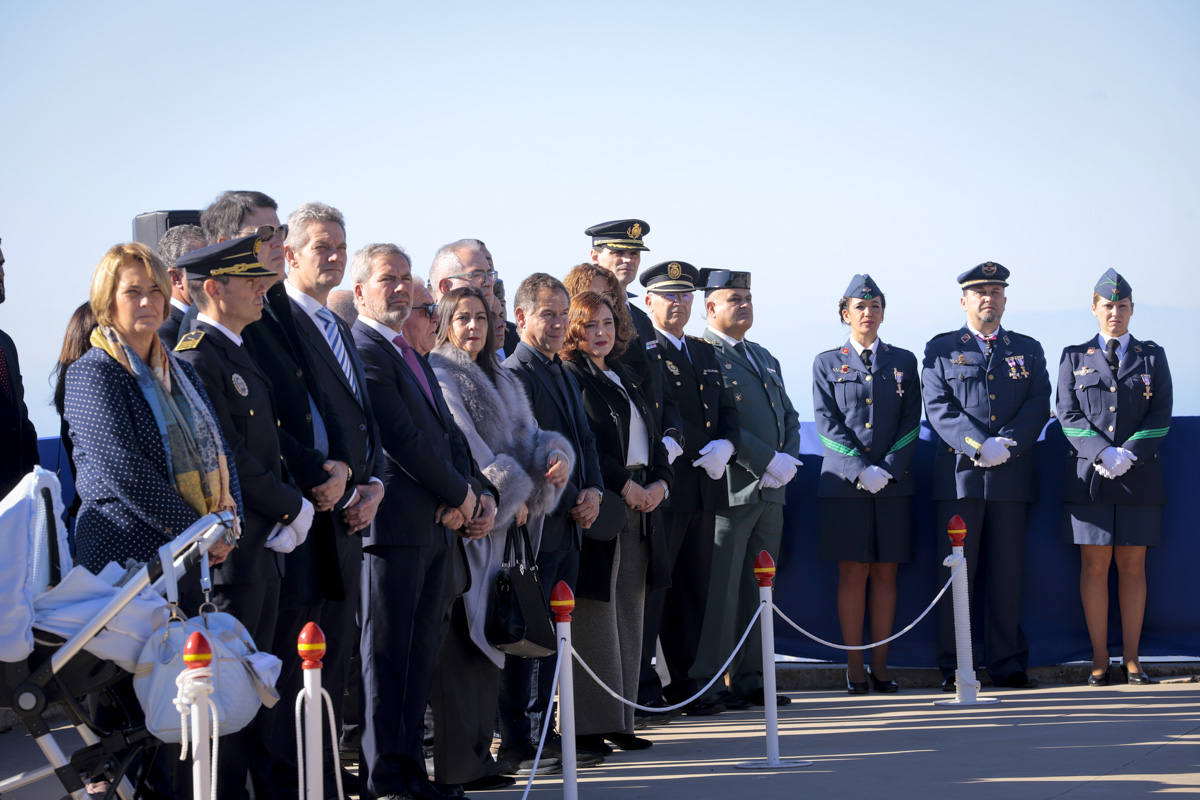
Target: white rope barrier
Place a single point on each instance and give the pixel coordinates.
(891, 638)
(198, 713)
(707, 686)
(537, 757)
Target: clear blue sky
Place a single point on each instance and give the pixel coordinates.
(802, 141)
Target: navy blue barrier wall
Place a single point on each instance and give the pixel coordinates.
(1053, 617)
(1052, 614)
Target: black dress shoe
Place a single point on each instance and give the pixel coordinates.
(731, 701)
(627, 741)
(488, 782)
(1136, 678)
(703, 708)
(756, 698)
(884, 687)
(1017, 680)
(948, 684)
(1099, 680)
(592, 743)
(856, 687)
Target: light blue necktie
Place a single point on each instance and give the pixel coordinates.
(334, 337)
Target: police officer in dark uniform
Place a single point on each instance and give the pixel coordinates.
(710, 430)
(987, 395)
(1114, 403)
(617, 246)
(227, 283)
(867, 400)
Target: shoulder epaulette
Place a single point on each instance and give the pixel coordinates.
(189, 341)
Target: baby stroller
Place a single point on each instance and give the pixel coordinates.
(66, 634)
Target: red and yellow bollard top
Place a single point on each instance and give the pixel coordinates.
(764, 569)
(562, 602)
(197, 652)
(311, 646)
(956, 529)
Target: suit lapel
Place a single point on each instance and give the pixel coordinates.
(318, 342)
(1133, 362)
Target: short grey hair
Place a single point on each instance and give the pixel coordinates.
(179, 240)
(446, 261)
(527, 293)
(360, 265)
(307, 214)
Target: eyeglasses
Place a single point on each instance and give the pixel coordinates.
(476, 277)
(266, 233)
(429, 308)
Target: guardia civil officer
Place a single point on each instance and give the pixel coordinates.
(867, 400)
(987, 396)
(1114, 403)
(227, 283)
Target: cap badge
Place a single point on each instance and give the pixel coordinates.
(674, 271)
(239, 383)
(635, 231)
(989, 269)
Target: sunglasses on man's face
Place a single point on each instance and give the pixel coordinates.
(266, 233)
(429, 308)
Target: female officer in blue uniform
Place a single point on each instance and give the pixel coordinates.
(1114, 403)
(867, 399)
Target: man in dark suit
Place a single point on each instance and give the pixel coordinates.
(18, 439)
(987, 395)
(511, 338)
(710, 427)
(617, 247)
(756, 479)
(541, 305)
(227, 282)
(173, 244)
(432, 489)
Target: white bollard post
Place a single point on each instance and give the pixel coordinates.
(764, 573)
(197, 654)
(562, 603)
(311, 647)
(966, 686)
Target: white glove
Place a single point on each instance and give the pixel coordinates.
(769, 481)
(874, 478)
(286, 538)
(674, 451)
(994, 451)
(783, 467)
(1126, 463)
(714, 456)
(1114, 462)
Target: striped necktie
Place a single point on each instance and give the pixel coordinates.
(334, 337)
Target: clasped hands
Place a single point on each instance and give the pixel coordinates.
(780, 470)
(994, 451)
(643, 498)
(1114, 462)
(474, 517)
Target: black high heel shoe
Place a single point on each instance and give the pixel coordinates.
(856, 688)
(884, 687)
(1136, 678)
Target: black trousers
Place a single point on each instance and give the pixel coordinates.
(337, 621)
(995, 553)
(402, 608)
(526, 682)
(689, 550)
(466, 689)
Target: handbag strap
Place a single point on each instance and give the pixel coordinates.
(168, 567)
(527, 557)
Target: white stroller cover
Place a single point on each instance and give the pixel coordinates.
(25, 565)
(81, 596)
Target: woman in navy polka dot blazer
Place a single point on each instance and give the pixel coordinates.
(149, 453)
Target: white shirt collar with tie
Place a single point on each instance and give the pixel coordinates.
(1122, 346)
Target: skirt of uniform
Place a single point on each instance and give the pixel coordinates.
(1111, 524)
(867, 529)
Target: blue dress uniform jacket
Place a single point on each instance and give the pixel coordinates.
(1098, 410)
(130, 506)
(866, 417)
(970, 397)
(769, 423)
(241, 397)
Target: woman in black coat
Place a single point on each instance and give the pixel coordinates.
(613, 575)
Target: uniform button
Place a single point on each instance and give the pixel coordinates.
(868, 379)
(867, 426)
(991, 377)
(868, 401)
(991, 397)
(993, 417)
(677, 383)
(1110, 427)
(1112, 408)
(1112, 388)
(252, 412)
(707, 424)
(706, 405)
(278, 423)
(734, 383)
(287, 516)
(656, 405)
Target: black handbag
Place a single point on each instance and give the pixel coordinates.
(518, 622)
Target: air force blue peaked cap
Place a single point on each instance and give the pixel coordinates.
(987, 272)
